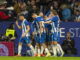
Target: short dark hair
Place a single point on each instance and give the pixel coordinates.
(21, 15)
(39, 12)
(54, 12)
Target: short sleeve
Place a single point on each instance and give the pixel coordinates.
(55, 19)
(26, 23)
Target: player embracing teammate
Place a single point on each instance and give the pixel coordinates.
(53, 19)
(41, 33)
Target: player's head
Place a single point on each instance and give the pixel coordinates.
(45, 17)
(21, 17)
(63, 6)
(53, 13)
(41, 14)
(34, 15)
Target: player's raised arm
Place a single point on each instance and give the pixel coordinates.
(19, 27)
(47, 22)
(40, 27)
(33, 35)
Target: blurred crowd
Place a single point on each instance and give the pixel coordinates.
(68, 10)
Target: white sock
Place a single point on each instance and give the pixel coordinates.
(58, 50)
(59, 46)
(19, 50)
(54, 50)
(38, 51)
(42, 49)
(49, 46)
(46, 50)
(33, 49)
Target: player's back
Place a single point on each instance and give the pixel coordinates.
(48, 25)
(25, 23)
(55, 19)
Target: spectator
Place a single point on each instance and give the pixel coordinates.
(3, 14)
(38, 3)
(35, 9)
(10, 34)
(25, 12)
(77, 16)
(33, 2)
(66, 13)
(68, 45)
(29, 6)
(77, 5)
(13, 34)
(69, 3)
(19, 6)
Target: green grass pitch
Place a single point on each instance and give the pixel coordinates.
(39, 58)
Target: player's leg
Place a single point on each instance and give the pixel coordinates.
(28, 42)
(59, 48)
(32, 48)
(19, 49)
(36, 45)
(42, 49)
(53, 45)
(38, 49)
(46, 50)
(20, 46)
(42, 42)
(43, 46)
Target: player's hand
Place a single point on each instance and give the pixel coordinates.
(23, 35)
(16, 22)
(51, 8)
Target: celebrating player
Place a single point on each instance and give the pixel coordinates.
(25, 34)
(41, 35)
(55, 36)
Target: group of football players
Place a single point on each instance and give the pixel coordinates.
(45, 32)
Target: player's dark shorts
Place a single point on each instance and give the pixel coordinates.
(55, 37)
(48, 36)
(26, 39)
(41, 39)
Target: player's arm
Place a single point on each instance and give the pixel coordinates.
(33, 35)
(28, 29)
(40, 27)
(19, 27)
(47, 22)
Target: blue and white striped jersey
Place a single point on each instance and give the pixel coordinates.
(55, 24)
(24, 27)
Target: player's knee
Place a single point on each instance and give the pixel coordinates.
(20, 43)
(43, 45)
(28, 45)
